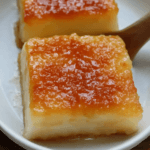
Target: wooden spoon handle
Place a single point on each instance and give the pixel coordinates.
(140, 25)
(136, 35)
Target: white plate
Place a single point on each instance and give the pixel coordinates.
(11, 121)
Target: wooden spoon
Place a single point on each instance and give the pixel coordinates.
(136, 35)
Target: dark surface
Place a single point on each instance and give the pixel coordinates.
(7, 144)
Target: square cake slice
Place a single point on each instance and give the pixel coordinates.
(44, 18)
(78, 85)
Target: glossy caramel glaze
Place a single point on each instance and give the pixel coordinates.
(81, 74)
(66, 8)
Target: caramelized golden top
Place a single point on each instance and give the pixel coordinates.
(66, 8)
(81, 74)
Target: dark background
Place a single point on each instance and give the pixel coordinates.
(7, 144)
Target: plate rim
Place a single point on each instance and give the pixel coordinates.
(20, 140)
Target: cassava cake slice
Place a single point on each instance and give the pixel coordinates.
(78, 85)
(44, 18)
